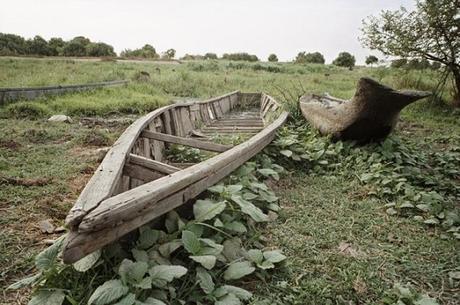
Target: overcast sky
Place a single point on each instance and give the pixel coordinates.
(258, 27)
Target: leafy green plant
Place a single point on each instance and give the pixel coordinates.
(195, 259)
(409, 180)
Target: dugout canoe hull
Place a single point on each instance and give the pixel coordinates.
(370, 115)
(135, 184)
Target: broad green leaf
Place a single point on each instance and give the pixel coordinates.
(238, 270)
(145, 283)
(130, 299)
(47, 297)
(205, 280)
(219, 188)
(87, 262)
(218, 223)
(250, 209)
(25, 282)
(191, 242)
(249, 196)
(140, 255)
(213, 249)
(233, 188)
(207, 209)
(147, 238)
(167, 248)
(207, 261)
(274, 256)
(268, 172)
(268, 196)
(236, 226)
(164, 273)
(241, 293)
(153, 301)
(229, 299)
(132, 272)
(108, 292)
(286, 153)
(256, 256)
(266, 265)
(47, 258)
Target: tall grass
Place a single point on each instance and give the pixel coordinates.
(197, 79)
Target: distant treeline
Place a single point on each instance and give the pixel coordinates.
(15, 45)
(226, 56)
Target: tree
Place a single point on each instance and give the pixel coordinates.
(210, 56)
(430, 32)
(313, 58)
(99, 49)
(76, 47)
(170, 53)
(11, 44)
(345, 59)
(371, 59)
(56, 46)
(273, 58)
(38, 46)
(240, 56)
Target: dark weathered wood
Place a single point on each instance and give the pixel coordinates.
(370, 115)
(152, 164)
(185, 141)
(141, 173)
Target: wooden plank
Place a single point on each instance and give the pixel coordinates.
(152, 164)
(157, 146)
(105, 180)
(167, 122)
(186, 121)
(231, 128)
(127, 205)
(186, 141)
(175, 116)
(140, 173)
(182, 165)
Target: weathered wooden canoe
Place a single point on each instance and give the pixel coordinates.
(370, 115)
(136, 183)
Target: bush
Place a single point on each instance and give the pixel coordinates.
(29, 110)
(210, 56)
(345, 59)
(272, 69)
(272, 58)
(240, 56)
(147, 51)
(399, 63)
(313, 58)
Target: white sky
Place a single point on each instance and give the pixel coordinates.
(258, 27)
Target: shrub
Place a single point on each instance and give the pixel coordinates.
(28, 110)
(371, 59)
(345, 59)
(240, 56)
(210, 56)
(272, 58)
(399, 63)
(313, 58)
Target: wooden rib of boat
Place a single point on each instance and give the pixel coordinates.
(370, 115)
(136, 182)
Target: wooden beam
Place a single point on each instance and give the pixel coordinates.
(140, 173)
(185, 141)
(152, 164)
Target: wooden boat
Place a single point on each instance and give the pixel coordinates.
(136, 183)
(370, 115)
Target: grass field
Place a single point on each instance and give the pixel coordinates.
(343, 247)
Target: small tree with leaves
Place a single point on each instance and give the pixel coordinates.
(345, 59)
(169, 54)
(272, 58)
(431, 32)
(371, 59)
